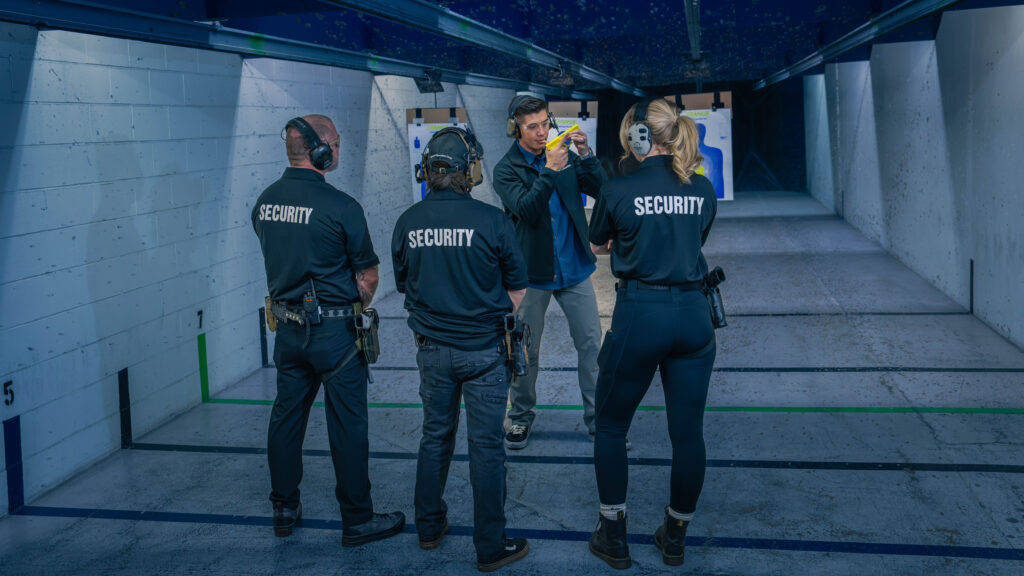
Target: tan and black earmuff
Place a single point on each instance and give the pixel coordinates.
(470, 161)
(512, 127)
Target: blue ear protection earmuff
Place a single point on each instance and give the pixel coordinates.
(639, 134)
(320, 154)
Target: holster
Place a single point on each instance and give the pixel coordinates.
(269, 313)
(517, 345)
(367, 342)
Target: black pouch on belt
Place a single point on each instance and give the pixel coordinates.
(367, 341)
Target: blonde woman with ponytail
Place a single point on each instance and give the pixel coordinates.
(654, 223)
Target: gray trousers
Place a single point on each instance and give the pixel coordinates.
(580, 306)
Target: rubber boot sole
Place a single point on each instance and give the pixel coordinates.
(617, 563)
(669, 559)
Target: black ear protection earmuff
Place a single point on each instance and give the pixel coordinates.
(639, 135)
(470, 162)
(320, 154)
(512, 127)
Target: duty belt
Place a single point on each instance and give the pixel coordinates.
(286, 312)
(641, 285)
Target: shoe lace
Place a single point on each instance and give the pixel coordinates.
(517, 429)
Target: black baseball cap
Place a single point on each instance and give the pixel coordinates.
(453, 146)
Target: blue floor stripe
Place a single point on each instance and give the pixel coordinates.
(588, 460)
(826, 546)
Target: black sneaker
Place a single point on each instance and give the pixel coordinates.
(515, 549)
(517, 436)
(435, 542)
(286, 519)
(379, 527)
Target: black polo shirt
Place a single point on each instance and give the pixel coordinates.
(658, 223)
(310, 229)
(455, 258)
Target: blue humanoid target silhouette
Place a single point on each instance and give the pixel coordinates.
(713, 162)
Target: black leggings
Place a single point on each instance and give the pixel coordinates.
(650, 329)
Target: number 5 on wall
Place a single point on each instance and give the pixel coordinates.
(8, 393)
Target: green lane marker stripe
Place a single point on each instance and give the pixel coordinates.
(776, 409)
(204, 374)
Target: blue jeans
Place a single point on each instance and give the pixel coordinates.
(481, 378)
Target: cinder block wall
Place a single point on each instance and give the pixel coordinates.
(128, 173)
(924, 147)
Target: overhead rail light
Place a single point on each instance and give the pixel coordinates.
(875, 28)
(122, 23)
(438, 20)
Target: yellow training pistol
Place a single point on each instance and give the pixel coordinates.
(561, 137)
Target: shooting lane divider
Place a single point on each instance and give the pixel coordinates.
(124, 400)
(12, 462)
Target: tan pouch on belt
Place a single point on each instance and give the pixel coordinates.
(269, 312)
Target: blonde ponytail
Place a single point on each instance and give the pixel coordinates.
(669, 129)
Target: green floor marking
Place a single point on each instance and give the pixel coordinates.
(753, 409)
(204, 374)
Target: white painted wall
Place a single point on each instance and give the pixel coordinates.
(980, 57)
(819, 147)
(128, 172)
(926, 156)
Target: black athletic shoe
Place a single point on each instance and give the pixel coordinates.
(517, 436)
(286, 519)
(435, 542)
(608, 542)
(381, 526)
(670, 538)
(515, 549)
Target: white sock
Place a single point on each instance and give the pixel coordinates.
(679, 515)
(611, 511)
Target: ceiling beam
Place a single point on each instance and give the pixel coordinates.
(435, 19)
(91, 18)
(870, 31)
(692, 8)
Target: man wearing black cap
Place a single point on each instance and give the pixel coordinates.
(458, 262)
(541, 189)
(319, 261)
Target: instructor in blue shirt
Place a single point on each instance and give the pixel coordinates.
(540, 190)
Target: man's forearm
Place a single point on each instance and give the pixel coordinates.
(366, 282)
(516, 296)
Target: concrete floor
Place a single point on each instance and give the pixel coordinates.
(859, 422)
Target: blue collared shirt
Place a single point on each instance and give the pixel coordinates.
(571, 263)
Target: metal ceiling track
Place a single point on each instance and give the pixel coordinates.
(110, 21)
(875, 28)
(692, 8)
(438, 20)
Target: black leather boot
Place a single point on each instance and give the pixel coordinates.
(608, 542)
(669, 538)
